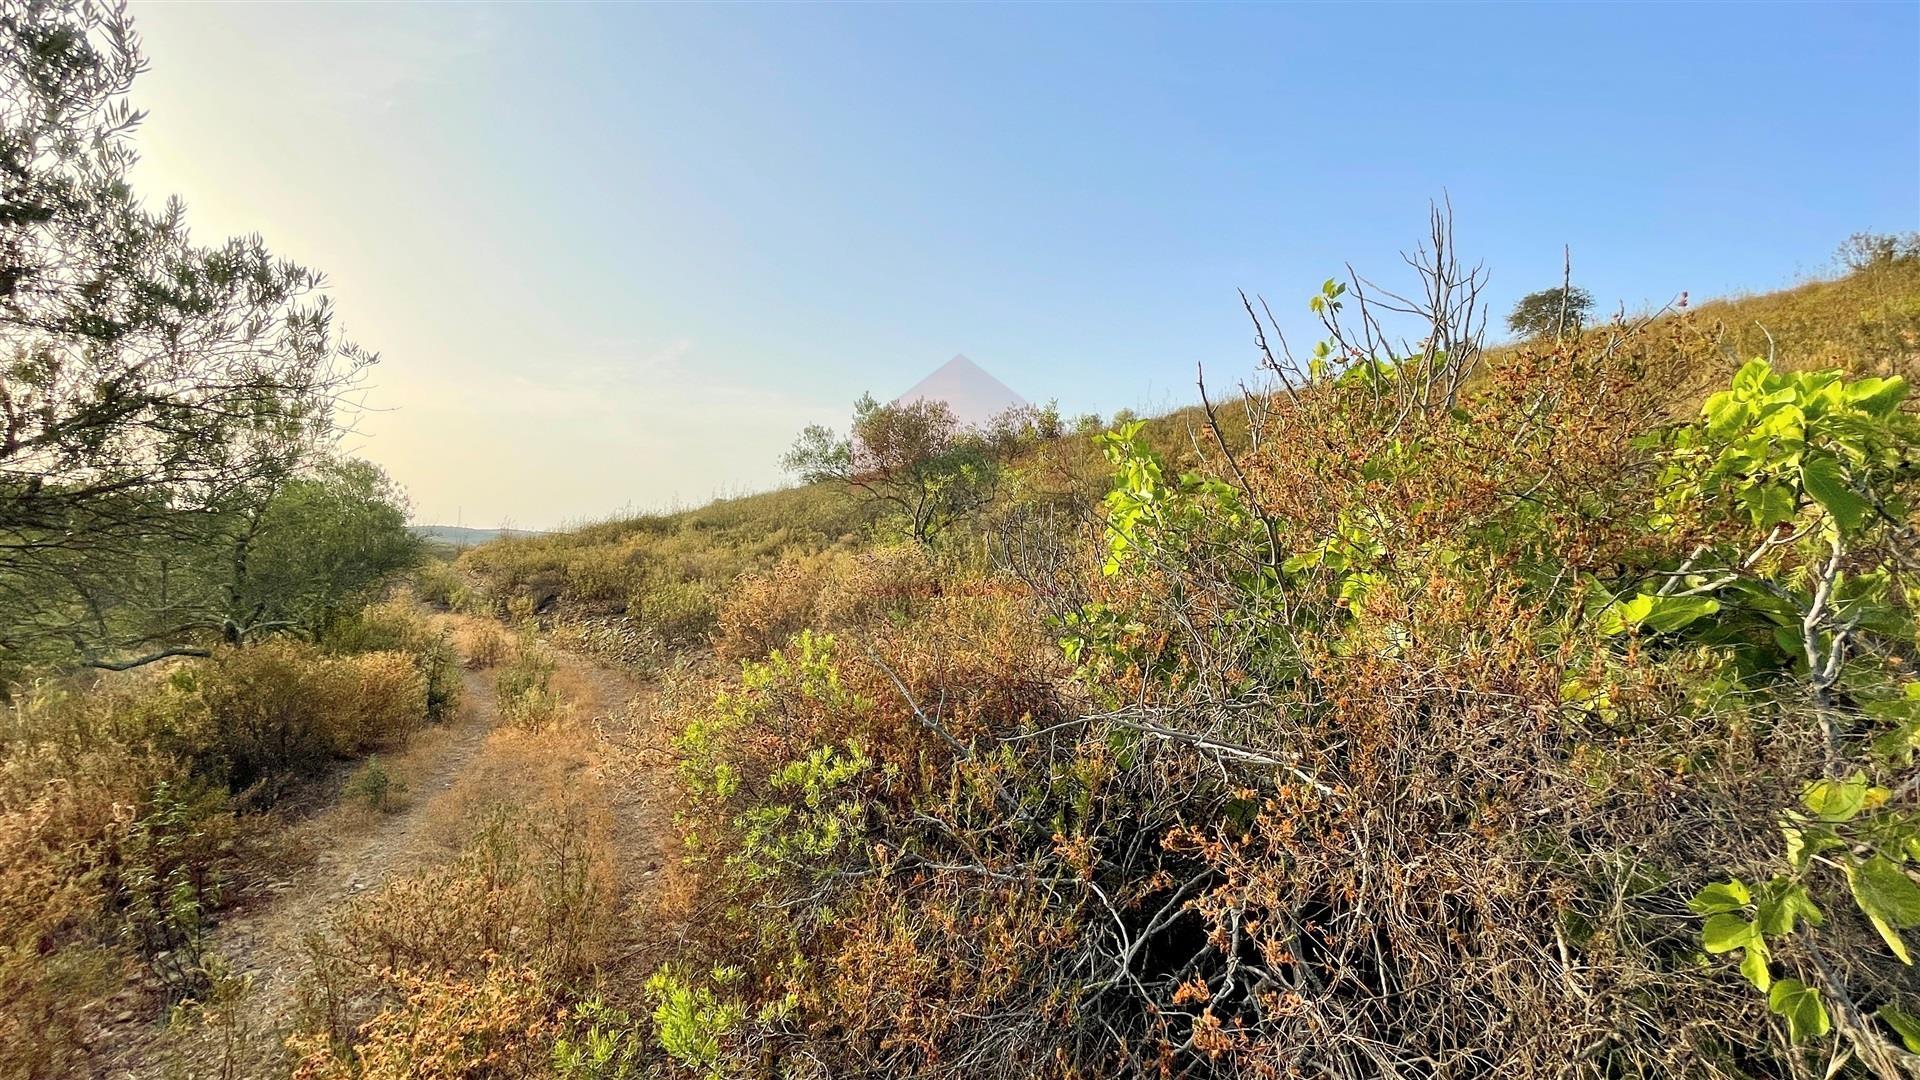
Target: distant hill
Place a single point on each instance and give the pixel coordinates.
(974, 396)
(462, 536)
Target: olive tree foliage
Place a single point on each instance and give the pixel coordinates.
(151, 388)
(917, 460)
(1551, 312)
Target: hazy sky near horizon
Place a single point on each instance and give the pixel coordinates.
(617, 256)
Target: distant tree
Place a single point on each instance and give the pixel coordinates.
(1561, 309)
(145, 381)
(1864, 251)
(914, 458)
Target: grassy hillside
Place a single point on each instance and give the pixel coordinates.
(1865, 323)
(1442, 723)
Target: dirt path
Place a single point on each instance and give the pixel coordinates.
(634, 768)
(359, 849)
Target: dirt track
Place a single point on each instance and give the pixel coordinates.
(261, 942)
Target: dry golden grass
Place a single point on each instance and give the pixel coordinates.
(482, 642)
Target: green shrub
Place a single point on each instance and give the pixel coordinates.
(375, 788)
(604, 1044)
(438, 583)
(524, 687)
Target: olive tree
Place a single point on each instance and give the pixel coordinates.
(146, 381)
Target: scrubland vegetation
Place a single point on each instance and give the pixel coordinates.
(1524, 709)
(1435, 708)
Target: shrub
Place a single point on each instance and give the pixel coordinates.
(281, 709)
(764, 609)
(485, 645)
(886, 584)
(524, 688)
(395, 626)
(494, 1024)
(438, 583)
(678, 612)
(691, 1022)
(1452, 719)
(603, 1043)
(1868, 251)
(111, 854)
(166, 883)
(375, 788)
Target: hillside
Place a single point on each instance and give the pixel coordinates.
(1866, 323)
(1436, 706)
(1424, 720)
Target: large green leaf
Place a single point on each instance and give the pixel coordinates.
(1877, 396)
(1662, 614)
(1754, 965)
(1884, 889)
(1751, 377)
(1895, 943)
(1720, 897)
(1727, 932)
(1671, 613)
(1800, 1004)
(1768, 504)
(1782, 905)
(1889, 898)
(1836, 800)
(1904, 1023)
(1827, 483)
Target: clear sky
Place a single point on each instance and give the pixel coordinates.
(617, 256)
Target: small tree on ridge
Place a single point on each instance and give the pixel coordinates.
(1550, 312)
(914, 457)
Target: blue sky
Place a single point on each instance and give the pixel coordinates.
(617, 256)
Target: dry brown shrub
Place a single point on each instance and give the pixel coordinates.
(80, 868)
(51, 902)
(978, 657)
(484, 643)
(766, 608)
(515, 767)
(282, 708)
(497, 1024)
(886, 583)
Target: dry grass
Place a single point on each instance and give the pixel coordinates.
(483, 643)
